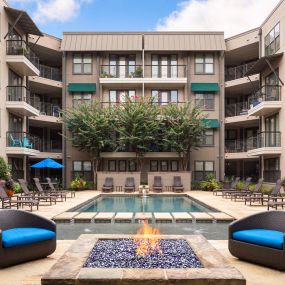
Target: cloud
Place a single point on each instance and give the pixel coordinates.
(231, 16)
(54, 10)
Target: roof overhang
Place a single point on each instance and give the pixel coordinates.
(262, 63)
(24, 21)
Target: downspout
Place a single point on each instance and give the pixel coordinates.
(64, 128)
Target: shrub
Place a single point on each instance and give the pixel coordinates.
(209, 184)
(266, 189)
(4, 169)
(196, 185)
(240, 185)
(9, 183)
(17, 187)
(78, 183)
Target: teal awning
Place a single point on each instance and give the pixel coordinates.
(81, 87)
(205, 87)
(211, 123)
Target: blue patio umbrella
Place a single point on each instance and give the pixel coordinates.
(47, 163)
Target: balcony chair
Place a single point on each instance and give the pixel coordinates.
(14, 142)
(130, 185)
(108, 185)
(25, 236)
(232, 187)
(53, 189)
(27, 143)
(259, 238)
(177, 184)
(157, 184)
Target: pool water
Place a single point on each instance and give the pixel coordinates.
(161, 203)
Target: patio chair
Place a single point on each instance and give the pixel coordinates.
(108, 185)
(259, 238)
(157, 184)
(130, 185)
(238, 194)
(35, 195)
(9, 202)
(27, 143)
(57, 195)
(231, 188)
(53, 189)
(25, 236)
(14, 142)
(177, 184)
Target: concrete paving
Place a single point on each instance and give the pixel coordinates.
(183, 216)
(65, 217)
(162, 217)
(143, 216)
(104, 216)
(84, 217)
(200, 216)
(124, 217)
(220, 216)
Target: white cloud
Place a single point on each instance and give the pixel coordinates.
(231, 16)
(54, 10)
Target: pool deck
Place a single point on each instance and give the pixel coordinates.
(30, 273)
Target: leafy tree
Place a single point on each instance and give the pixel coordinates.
(4, 169)
(138, 124)
(182, 130)
(91, 129)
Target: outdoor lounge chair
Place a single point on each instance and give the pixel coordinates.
(177, 184)
(27, 143)
(259, 239)
(14, 142)
(53, 189)
(108, 185)
(9, 202)
(57, 195)
(239, 194)
(130, 185)
(232, 187)
(25, 236)
(28, 194)
(157, 184)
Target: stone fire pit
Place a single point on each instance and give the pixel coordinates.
(111, 259)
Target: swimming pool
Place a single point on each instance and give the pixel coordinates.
(136, 203)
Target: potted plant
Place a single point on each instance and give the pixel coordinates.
(9, 187)
(209, 184)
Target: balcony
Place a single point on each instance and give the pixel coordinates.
(21, 58)
(51, 73)
(266, 143)
(19, 101)
(22, 143)
(238, 113)
(236, 72)
(51, 148)
(238, 149)
(48, 112)
(109, 104)
(266, 101)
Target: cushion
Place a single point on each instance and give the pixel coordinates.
(269, 238)
(25, 236)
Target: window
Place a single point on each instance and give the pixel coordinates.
(271, 169)
(205, 101)
(153, 165)
(202, 169)
(111, 165)
(119, 96)
(132, 165)
(82, 63)
(122, 66)
(83, 169)
(272, 41)
(164, 66)
(81, 98)
(208, 138)
(174, 165)
(163, 165)
(122, 165)
(204, 63)
(164, 97)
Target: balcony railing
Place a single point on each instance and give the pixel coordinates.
(109, 104)
(22, 139)
(236, 109)
(237, 72)
(271, 175)
(269, 139)
(52, 73)
(121, 71)
(234, 146)
(165, 71)
(18, 93)
(46, 109)
(20, 47)
(17, 174)
(266, 93)
(51, 146)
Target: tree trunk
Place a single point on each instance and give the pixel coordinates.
(95, 162)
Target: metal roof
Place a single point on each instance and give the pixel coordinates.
(25, 22)
(136, 41)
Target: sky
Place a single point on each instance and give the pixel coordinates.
(231, 16)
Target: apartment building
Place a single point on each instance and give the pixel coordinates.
(31, 92)
(173, 67)
(254, 100)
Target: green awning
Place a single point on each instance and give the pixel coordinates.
(211, 123)
(81, 87)
(205, 87)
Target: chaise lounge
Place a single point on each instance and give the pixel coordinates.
(157, 184)
(108, 185)
(130, 185)
(25, 236)
(177, 184)
(260, 239)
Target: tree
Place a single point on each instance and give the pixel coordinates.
(91, 129)
(138, 123)
(182, 130)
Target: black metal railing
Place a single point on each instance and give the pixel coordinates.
(202, 175)
(271, 175)
(109, 104)
(165, 71)
(266, 93)
(236, 109)
(18, 93)
(121, 71)
(49, 72)
(20, 47)
(236, 72)
(269, 139)
(234, 146)
(51, 146)
(46, 109)
(22, 139)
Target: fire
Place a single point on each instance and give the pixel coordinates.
(147, 240)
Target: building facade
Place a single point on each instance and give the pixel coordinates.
(238, 83)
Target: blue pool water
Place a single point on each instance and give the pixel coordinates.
(161, 203)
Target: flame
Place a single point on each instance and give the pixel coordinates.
(147, 240)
